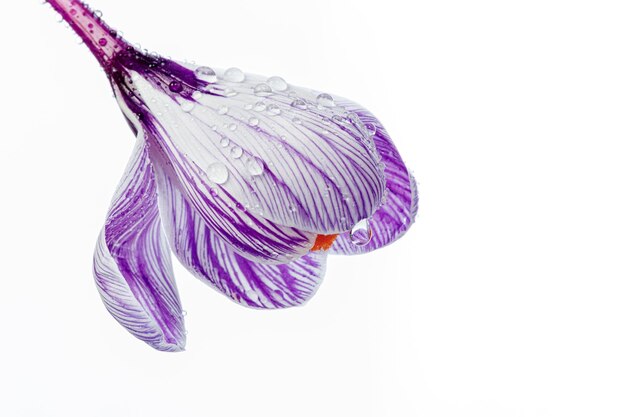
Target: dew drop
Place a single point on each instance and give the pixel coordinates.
(371, 128)
(187, 106)
(248, 106)
(224, 142)
(176, 87)
(97, 13)
(297, 121)
(361, 233)
(102, 42)
(217, 172)
(206, 74)
(299, 104)
(262, 89)
(196, 95)
(255, 167)
(338, 119)
(234, 74)
(222, 110)
(273, 109)
(325, 100)
(236, 152)
(253, 121)
(232, 127)
(277, 83)
(259, 106)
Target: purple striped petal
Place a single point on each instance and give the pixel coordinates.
(208, 257)
(132, 265)
(287, 154)
(399, 208)
(248, 233)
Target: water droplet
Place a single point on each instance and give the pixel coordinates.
(262, 90)
(297, 121)
(299, 104)
(224, 142)
(102, 42)
(217, 172)
(222, 110)
(187, 106)
(259, 106)
(277, 83)
(371, 128)
(97, 13)
(273, 109)
(253, 121)
(176, 87)
(206, 74)
(234, 74)
(361, 233)
(196, 95)
(229, 92)
(325, 100)
(338, 119)
(248, 106)
(232, 127)
(236, 152)
(356, 122)
(255, 166)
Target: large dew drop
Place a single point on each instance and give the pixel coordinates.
(273, 110)
(361, 233)
(217, 172)
(325, 100)
(176, 87)
(299, 104)
(277, 83)
(262, 90)
(255, 167)
(206, 74)
(234, 74)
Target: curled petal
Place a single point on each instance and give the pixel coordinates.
(399, 208)
(132, 264)
(282, 152)
(208, 257)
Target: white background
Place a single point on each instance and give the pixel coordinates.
(506, 298)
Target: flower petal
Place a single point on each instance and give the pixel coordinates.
(208, 257)
(132, 264)
(399, 208)
(286, 155)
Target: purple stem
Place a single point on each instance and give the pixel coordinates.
(103, 42)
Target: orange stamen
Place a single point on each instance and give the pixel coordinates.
(323, 242)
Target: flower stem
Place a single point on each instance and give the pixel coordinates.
(103, 42)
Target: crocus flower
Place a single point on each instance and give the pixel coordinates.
(249, 180)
